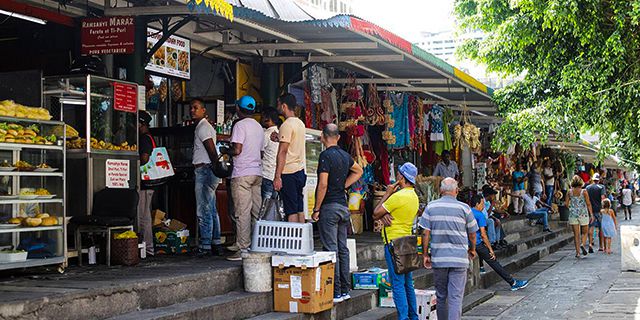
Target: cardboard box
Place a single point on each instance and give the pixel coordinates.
(310, 261)
(426, 302)
(170, 242)
(298, 290)
(158, 217)
(369, 279)
(175, 225)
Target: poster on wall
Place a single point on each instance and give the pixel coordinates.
(117, 173)
(111, 35)
(173, 58)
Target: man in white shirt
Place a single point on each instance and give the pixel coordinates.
(627, 199)
(271, 121)
(204, 154)
(446, 168)
(534, 213)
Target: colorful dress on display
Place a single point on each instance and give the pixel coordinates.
(446, 144)
(401, 118)
(437, 124)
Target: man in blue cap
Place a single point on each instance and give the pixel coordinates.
(246, 179)
(397, 210)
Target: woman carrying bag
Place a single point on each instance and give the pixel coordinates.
(397, 210)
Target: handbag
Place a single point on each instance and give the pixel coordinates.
(271, 209)
(158, 168)
(404, 253)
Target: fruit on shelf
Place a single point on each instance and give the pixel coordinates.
(49, 221)
(15, 133)
(16, 220)
(8, 108)
(32, 222)
(42, 215)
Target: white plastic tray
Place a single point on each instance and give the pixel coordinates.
(310, 261)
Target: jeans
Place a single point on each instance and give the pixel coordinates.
(542, 215)
(246, 202)
(549, 190)
(491, 231)
(483, 253)
(267, 188)
(208, 220)
(404, 295)
(449, 283)
(333, 224)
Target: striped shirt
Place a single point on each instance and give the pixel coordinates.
(450, 222)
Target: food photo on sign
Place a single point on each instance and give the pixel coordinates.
(172, 58)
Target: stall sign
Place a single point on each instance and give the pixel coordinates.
(173, 58)
(111, 35)
(125, 97)
(117, 173)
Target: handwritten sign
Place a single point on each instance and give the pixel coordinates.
(117, 173)
(112, 35)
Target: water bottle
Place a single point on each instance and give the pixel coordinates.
(420, 251)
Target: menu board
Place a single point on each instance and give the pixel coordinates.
(111, 35)
(173, 58)
(125, 97)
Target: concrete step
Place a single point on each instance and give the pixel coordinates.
(536, 239)
(524, 259)
(233, 305)
(376, 314)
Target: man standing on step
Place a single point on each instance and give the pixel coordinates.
(336, 172)
(450, 232)
(483, 246)
(597, 193)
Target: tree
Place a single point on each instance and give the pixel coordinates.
(580, 67)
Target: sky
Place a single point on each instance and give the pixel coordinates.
(407, 18)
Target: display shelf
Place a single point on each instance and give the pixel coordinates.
(20, 146)
(47, 122)
(22, 201)
(30, 229)
(104, 152)
(31, 174)
(32, 263)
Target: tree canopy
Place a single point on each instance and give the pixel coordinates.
(580, 66)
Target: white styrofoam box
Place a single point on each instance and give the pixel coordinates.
(353, 255)
(282, 237)
(433, 315)
(630, 247)
(426, 303)
(13, 257)
(309, 261)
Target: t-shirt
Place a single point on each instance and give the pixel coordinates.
(585, 176)
(596, 192)
(204, 131)
(450, 222)
(534, 180)
(403, 207)
(447, 171)
(145, 145)
(293, 132)
(530, 203)
(550, 181)
(269, 155)
(481, 221)
(626, 197)
(247, 132)
(517, 186)
(337, 163)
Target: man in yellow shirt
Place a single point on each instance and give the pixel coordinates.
(290, 178)
(398, 210)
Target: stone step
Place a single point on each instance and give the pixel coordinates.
(233, 305)
(536, 239)
(376, 313)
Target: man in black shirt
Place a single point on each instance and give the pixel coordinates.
(336, 172)
(146, 193)
(597, 193)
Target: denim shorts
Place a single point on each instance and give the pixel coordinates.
(292, 192)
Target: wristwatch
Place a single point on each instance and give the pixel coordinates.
(316, 210)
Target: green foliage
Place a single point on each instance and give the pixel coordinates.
(580, 63)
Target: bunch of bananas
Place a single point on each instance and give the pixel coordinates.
(8, 108)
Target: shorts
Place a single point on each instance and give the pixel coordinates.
(596, 221)
(292, 192)
(583, 221)
(624, 206)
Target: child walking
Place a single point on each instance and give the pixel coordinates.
(609, 224)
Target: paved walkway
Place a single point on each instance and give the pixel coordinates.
(563, 287)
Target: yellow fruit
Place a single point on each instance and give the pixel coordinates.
(42, 215)
(15, 221)
(32, 222)
(49, 221)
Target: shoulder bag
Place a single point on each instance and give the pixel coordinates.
(158, 169)
(404, 253)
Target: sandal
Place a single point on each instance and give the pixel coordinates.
(584, 252)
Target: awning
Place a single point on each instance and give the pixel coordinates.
(586, 150)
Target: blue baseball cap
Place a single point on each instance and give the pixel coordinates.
(409, 172)
(247, 103)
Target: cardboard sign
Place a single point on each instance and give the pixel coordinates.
(125, 97)
(111, 35)
(173, 58)
(117, 173)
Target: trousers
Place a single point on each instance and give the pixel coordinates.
(449, 283)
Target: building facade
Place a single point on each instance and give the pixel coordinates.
(330, 6)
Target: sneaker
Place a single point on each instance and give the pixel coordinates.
(532, 223)
(590, 249)
(235, 257)
(519, 284)
(345, 296)
(338, 299)
(549, 230)
(217, 250)
(200, 253)
(233, 248)
(482, 270)
(504, 243)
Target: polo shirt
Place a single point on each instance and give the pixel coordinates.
(450, 222)
(481, 221)
(403, 206)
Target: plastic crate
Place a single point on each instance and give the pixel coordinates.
(310, 261)
(282, 237)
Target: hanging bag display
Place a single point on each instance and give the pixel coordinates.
(404, 253)
(158, 168)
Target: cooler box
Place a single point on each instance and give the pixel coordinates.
(304, 262)
(426, 303)
(368, 279)
(630, 247)
(170, 242)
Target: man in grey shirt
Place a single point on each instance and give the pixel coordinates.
(446, 168)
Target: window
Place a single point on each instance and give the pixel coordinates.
(333, 5)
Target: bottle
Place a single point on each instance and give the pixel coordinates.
(420, 251)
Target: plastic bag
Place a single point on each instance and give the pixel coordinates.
(271, 209)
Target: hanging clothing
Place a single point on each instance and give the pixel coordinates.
(437, 124)
(446, 144)
(400, 117)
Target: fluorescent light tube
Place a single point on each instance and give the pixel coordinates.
(23, 17)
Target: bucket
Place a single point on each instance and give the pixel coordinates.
(256, 267)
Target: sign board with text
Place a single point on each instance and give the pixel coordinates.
(110, 35)
(117, 173)
(173, 58)
(125, 97)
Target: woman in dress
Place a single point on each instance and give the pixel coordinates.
(609, 224)
(580, 214)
